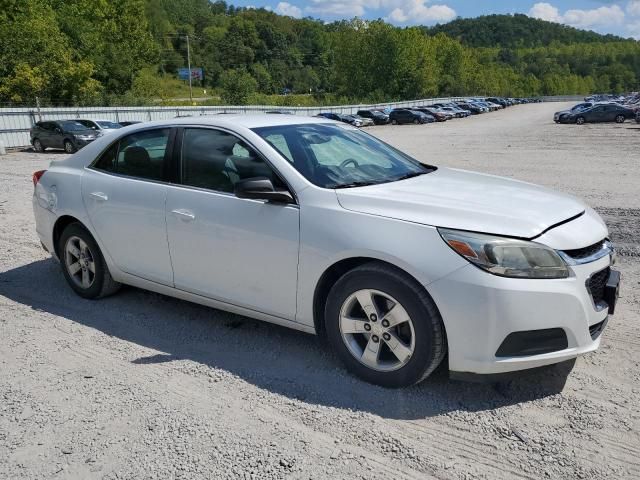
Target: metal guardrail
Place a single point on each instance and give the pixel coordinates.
(15, 123)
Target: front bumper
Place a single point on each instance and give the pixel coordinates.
(480, 310)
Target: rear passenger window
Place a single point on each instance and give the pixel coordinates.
(138, 155)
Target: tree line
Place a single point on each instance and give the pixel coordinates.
(125, 51)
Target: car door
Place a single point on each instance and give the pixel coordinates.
(596, 114)
(44, 133)
(239, 251)
(124, 193)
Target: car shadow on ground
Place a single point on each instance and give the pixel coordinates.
(274, 358)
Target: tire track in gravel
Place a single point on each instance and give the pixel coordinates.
(624, 227)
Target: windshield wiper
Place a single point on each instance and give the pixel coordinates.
(410, 175)
(355, 184)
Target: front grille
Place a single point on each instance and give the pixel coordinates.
(580, 253)
(596, 285)
(596, 330)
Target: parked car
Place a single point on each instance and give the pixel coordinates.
(330, 116)
(378, 117)
(101, 126)
(600, 112)
(357, 121)
(436, 113)
(67, 134)
(494, 274)
(500, 101)
(399, 116)
(576, 108)
(129, 122)
(637, 117)
(453, 108)
(470, 107)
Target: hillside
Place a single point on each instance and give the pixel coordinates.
(515, 31)
(128, 52)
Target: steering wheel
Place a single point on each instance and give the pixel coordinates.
(348, 161)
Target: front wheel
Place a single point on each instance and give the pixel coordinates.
(620, 119)
(69, 147)
(384, 326)
(416, 121)
(394, 122)
(580, 120)
(37, 146)
(83, 264)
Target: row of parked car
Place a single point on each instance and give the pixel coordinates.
(72, 135)
(602, 108)
(437, 112)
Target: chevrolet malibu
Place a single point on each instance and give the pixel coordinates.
(317, 226)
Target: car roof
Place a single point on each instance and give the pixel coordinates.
(240, 120)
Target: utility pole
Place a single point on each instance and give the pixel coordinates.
(189, 66)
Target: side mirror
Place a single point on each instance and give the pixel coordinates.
(58, 130)
(261, 188)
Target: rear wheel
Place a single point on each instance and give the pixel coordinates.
(69, 147)
(394, 122)
(416, 121)
(37, 146)
(83, 264)
(580, 120)
(384, 326)
(620, 119)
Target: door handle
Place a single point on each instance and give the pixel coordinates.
(185, 215)
(102, 197)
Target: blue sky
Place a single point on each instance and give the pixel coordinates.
(621, 17)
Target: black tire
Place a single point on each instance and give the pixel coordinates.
(103, 284)
(430, 336)
(69, 147)
(394, 122)
(620, 119)
(416, 121)
(580, 120)
(37, 145)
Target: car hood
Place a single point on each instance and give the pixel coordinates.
(465, 200)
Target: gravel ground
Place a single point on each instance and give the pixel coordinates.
(144, 386)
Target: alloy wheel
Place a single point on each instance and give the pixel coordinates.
(68, 147)
(79, 261)
(377, 330)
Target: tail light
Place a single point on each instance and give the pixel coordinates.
(36, 177)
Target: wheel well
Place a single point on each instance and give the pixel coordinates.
(62, 223)
(330, 277)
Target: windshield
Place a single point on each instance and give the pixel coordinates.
(335, 156)
(105, 124)
(71, 126)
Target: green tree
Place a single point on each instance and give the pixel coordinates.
(237, 87)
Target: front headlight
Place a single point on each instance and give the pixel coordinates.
(506, 256)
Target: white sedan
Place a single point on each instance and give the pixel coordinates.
(315, 225)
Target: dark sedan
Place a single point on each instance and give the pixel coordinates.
(607, 112)
(405, 115)
(377, 116)
(66, 134)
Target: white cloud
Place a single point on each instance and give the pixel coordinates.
(342, 8)
(397, 11)
(416, 11)
(596, 17)
(285, 8)
(633, 8)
